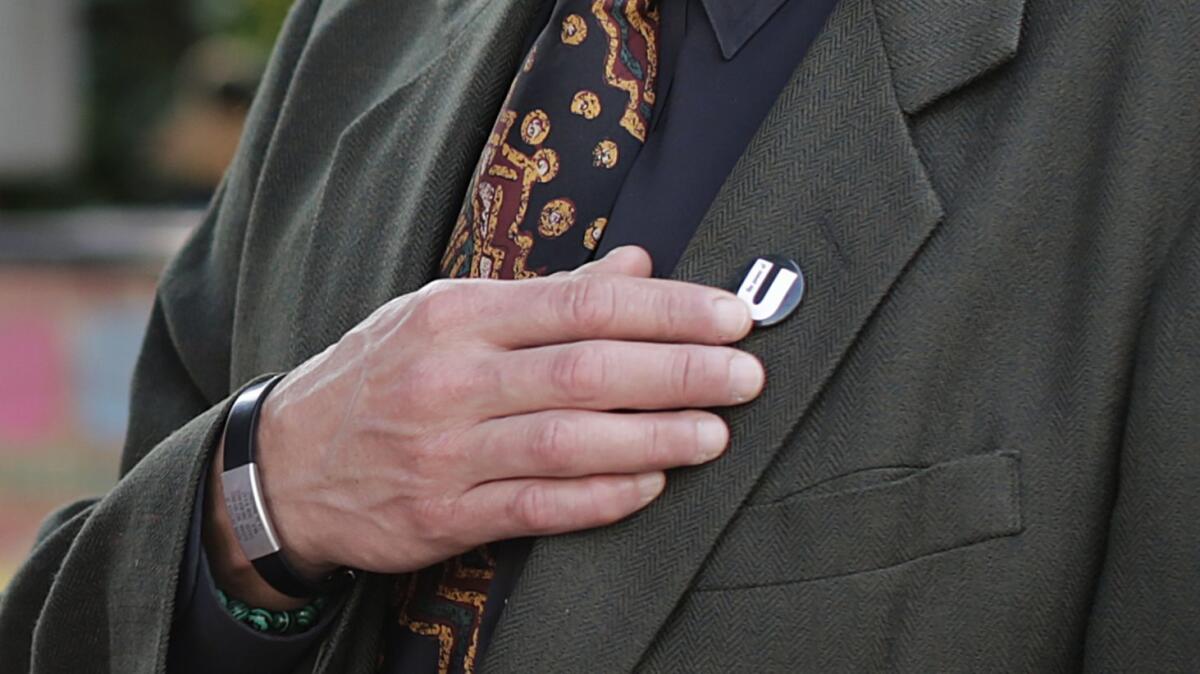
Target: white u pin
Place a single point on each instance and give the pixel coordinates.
(772, 286)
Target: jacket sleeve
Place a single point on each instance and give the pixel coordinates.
(206, 638)
(1146, 612)
(99, 586)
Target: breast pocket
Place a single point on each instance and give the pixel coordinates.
(869, 520)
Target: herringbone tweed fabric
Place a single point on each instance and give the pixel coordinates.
(979, 446)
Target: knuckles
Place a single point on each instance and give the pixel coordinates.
(438, 522)
(552, 445)
(654, 443)
(669, 442)
(578, 373)
(532, 509)
(427, 385)
(686, 372)
(674, 308)
(439, 306)
(588, 302)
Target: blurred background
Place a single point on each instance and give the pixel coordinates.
(117, 119)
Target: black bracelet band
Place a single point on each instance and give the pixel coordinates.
(245, 504)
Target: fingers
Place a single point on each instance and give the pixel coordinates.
(595, 305)
(575, 443)
(542, 507)
(608, 375)
(609, 300)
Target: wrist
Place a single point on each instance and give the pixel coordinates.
(249, 518)
(230, 568)
(287, 494)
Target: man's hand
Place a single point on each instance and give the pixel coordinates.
(473, 411)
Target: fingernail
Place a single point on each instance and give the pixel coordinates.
(712, 438)
(745, 377)
(732, 316)
(650, 485)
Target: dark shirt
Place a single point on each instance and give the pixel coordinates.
(722, 66)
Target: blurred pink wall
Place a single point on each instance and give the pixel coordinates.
(69, 337)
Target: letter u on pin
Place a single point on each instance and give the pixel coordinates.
(772, 286)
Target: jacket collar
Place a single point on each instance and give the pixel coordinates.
(938, 46)
(736, 21)
(933, 47)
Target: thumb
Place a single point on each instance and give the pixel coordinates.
(627, 260)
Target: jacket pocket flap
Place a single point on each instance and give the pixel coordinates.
(807, 537)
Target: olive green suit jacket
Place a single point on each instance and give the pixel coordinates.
(979, 446)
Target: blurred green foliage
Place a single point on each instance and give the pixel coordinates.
(133, 50)
(257, 21)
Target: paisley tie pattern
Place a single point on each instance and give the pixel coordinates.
(574, 119)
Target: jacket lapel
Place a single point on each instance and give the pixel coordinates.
(832, 180)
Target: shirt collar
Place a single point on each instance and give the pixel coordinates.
(736, 21)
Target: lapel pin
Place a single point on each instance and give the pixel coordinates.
(772, 286)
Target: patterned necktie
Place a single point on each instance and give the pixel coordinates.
(573, 121)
